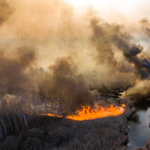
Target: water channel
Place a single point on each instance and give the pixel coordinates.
(139, 132)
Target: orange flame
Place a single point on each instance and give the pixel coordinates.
(89, 114)
(52, 115)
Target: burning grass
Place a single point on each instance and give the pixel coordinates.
(30, 130)
(55, 133)
(87, 113)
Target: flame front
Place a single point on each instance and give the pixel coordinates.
(89, 114)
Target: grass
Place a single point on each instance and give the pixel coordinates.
(51, 133)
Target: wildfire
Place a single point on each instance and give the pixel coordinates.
(90, 114)
(52, 115)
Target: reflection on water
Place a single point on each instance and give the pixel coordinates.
(139, 132)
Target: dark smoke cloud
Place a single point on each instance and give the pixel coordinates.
(101, 38)
(111, 38)
(13, 70)
(65, 83)
(61, 83)
(64, 67)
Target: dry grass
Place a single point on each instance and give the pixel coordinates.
(50, 133)
(62, 134)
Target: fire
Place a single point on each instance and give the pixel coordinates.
(90, 114)
(123, 105)
(52, 115)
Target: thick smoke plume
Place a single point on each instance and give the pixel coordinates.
(110, 39)
(61, 83)
(13, 70)
(113, 42)
(68, 85)
(64, 85)
(141, 89)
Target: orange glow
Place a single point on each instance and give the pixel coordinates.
(89, 114)
(123, 105)
(52, 115)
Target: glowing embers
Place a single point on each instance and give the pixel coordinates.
(89, 114)
(52, 115)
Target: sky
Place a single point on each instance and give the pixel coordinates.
(126, 12)
(121, 5)
(129, 8)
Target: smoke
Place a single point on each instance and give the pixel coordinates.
(108, 38)
(65, 82)
(5, 11)
(13, 70)
(145, 25)
(123, 59)
(66, 52)
(61, 81)
(45, 21)
(141, 89)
